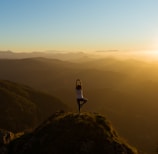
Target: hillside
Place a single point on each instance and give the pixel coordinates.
(124, 90)
(57, 76)
(22, 107)
(87, 133)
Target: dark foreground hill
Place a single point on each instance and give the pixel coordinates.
(87, 133)
(22, 107)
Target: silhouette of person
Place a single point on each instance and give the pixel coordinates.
(80, 99)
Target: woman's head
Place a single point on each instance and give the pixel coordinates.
(78, 87)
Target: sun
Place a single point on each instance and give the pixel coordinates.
(152, 55)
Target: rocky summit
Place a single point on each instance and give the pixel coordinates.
(72, 133)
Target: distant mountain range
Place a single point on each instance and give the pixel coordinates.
(47, 54)
(124, 90)
(22, 107)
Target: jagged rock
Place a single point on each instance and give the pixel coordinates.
(85, 133)
(5, 138)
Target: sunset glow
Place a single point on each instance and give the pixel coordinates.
(78, 25)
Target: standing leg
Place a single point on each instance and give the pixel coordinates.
(78, 102)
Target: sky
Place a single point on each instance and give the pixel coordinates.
(78, 25)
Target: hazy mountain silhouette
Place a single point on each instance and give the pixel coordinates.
(23, 108)
(87, 133)
(68, 56)
(125, 90)
(56, 76)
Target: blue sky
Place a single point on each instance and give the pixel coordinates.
(78, 25)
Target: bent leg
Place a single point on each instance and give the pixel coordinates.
(81, 102)
(85, 100)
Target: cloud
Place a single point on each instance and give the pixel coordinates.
(107, 51)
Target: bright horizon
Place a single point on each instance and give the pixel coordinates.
(83, 25)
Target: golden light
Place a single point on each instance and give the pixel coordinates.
(150, 55)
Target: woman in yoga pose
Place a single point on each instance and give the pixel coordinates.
(79, 91)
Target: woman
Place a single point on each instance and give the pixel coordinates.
(80, 99)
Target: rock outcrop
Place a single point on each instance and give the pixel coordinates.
(85, 133)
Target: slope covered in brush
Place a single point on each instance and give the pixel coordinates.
(22, 107)
(85, 133)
